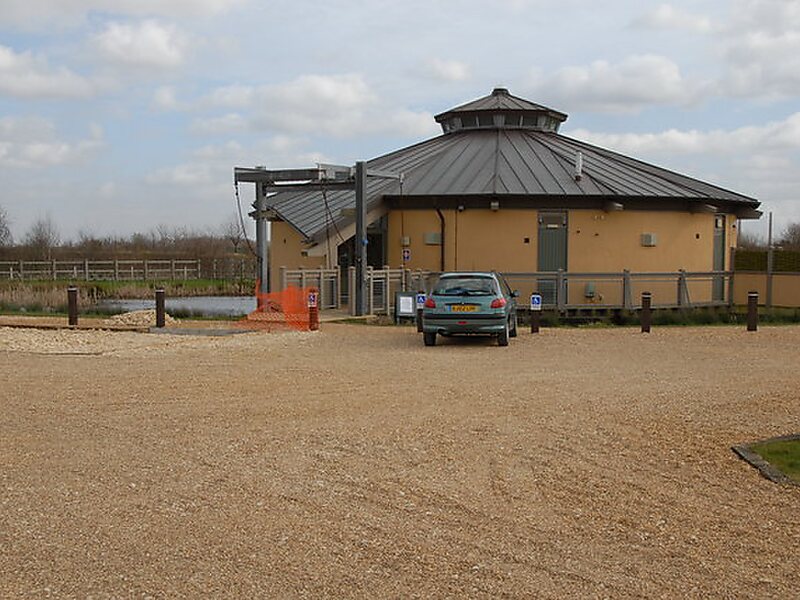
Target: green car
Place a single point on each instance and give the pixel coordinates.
(470, 304)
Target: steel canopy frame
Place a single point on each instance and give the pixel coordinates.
(272, 180)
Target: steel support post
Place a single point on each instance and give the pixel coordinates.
(561, 289)
(627, 290)
(262, 247)
(770, 263)
(419, 313)
(361, 239)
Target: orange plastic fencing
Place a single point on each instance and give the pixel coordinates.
(276, 310)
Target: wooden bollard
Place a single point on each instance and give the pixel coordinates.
(646, 317)
(420, 305)
(160, 319)
(313, 309)
(752, 311)
(72, 305)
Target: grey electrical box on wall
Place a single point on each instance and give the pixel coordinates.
(433, 238)
(649, 239)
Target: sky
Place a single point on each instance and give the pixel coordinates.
(120, 117)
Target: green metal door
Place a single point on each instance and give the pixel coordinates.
(552, 251)
(718, 286)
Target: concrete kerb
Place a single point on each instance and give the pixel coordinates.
(745, 452)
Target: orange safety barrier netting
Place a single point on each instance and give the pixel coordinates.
(287, 308)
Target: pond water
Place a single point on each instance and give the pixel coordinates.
(200, 306)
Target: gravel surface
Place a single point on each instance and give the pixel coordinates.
(145, 318)
(354, 462)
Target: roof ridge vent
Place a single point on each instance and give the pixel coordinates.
(500, 91)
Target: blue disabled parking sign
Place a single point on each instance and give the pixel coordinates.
(536, 302)
(420, 300)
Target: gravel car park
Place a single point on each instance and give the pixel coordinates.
(354, 462)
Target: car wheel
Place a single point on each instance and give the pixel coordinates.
(513, 331)
(430, 338)
(502, 337)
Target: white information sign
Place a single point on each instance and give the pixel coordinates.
(406, 305)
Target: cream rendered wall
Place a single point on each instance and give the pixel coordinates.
(600, 241)
(286, 246)
(611, 242)
(478, 239)
(597, 241)
(474, 239)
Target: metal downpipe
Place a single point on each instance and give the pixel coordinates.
(441, 240)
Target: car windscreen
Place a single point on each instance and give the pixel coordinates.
(465, 286)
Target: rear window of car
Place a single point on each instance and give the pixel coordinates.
(465, 286)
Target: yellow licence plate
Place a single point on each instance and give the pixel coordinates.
(463, 308)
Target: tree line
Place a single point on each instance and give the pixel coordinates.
(789, 239)
(43, 241)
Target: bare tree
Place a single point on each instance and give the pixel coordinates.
(790, 239)
(232, 231)
(5, 229)
(750, 241)
(42, 237)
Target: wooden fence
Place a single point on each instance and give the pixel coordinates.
(128, 270)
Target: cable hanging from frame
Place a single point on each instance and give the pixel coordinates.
(241, 218)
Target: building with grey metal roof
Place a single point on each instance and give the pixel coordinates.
(507, 149)
(502, 189)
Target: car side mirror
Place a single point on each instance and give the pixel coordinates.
(515, 294)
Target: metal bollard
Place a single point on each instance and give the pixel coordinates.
(419, 310)
(752, 311)
(313, 309)
(536, 312)
(160, 307)
(72, 305)
(646, 317)
(536, 321)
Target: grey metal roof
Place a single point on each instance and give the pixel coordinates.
(515, 164)
(500, 100)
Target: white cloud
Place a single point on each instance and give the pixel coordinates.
(166, 98)
(760, 160)
(336, 105)
(446, 70)
(25, 75)
(212, 165)
(666, 16)
(32, 142)
(761, 48)
(222, 125)
(232, 96)
(148, 44)
(634, 83)
(41, 14)
(750, 141)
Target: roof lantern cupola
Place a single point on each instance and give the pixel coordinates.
(501, 110)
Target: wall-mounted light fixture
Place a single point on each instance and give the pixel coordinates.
(494, 205)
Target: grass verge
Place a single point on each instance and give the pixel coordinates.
(784, 455)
